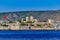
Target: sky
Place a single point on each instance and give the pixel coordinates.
(26, 5)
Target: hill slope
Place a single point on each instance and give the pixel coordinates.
(41, 15)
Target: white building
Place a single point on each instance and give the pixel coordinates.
(31, 17)
(36, 20)
(50, 21)
(27, 18)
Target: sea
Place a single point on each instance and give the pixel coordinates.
(29, 34)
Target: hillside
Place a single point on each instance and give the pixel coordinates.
(41, 15)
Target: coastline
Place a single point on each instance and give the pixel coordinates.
(35, 29)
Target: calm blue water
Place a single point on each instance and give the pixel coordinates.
(29, 34)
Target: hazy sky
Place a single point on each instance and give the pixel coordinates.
(19, 5)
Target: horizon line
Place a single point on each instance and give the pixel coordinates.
(30, 10)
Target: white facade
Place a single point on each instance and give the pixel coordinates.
(27, 18)
(31, 17)
(36, 20)
(50, 21)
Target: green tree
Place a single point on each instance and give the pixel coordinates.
(30, 22)
(24, 24)
(40, 25)
(4, 25)
(11, 22)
